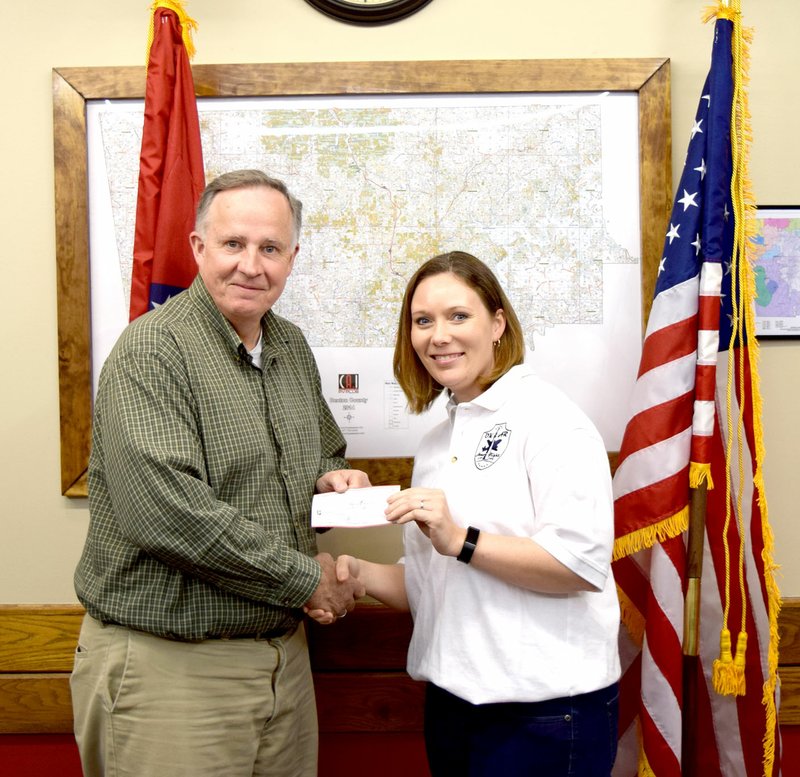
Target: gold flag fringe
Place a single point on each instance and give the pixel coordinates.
(728, 670)
(700, 473)
(725, 671)
(666, 529)
(631, 617)
(645, 770)
(188, 25)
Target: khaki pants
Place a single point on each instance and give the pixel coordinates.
(151, 707)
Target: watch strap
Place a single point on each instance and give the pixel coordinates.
(468, 547)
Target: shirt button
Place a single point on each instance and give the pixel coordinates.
(454, 459)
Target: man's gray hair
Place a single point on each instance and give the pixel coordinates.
(247, 179)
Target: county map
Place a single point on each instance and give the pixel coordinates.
(777, 275)
(387, 185)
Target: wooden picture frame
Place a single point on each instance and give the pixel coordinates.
(73, 87)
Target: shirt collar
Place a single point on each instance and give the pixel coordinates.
(274, 337)
(497, 394)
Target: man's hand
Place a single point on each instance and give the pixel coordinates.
(334, 597)
(340, 480)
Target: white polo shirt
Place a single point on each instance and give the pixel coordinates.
(523, 460)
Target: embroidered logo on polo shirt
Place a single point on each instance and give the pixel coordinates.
(492, 446)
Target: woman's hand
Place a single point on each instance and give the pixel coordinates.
(428, 507)
(347, 567)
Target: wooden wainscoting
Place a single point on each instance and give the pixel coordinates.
(37, 643)
(359, 669)
(789, 662)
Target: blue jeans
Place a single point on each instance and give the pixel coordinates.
(574, 735)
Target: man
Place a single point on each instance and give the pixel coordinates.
(210, 437)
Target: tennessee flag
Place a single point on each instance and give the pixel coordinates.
(171, 175)
(699, 700)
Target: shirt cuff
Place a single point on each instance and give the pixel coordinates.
(580, 566)
(301, 583)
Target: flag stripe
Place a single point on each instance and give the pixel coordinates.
(655, 502)
(634, 581)
(705, 387)
(665, 382)
(649, 467)
(656, 424)
(658, 749)
(668, 343)
(673, 304)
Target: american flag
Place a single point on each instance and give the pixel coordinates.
(685, 423)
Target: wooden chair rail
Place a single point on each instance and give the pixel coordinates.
(359, 669)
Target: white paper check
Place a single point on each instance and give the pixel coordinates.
(353, 508)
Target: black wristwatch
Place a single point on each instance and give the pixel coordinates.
(469, 545)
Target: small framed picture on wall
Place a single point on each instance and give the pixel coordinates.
(777, 271)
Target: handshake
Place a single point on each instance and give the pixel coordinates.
(349, 578)
(337, 591)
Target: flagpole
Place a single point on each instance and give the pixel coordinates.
(691, 625)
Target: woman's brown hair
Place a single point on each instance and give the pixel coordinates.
(417, 384)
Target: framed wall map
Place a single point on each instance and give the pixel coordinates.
(340, 87)
(776, 246)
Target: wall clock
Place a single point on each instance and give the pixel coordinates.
(368, 11)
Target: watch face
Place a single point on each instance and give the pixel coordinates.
(368, 11)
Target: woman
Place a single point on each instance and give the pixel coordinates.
(508, 531)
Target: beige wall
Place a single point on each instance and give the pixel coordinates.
(42, 532)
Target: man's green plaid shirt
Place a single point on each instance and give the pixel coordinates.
(201, 477)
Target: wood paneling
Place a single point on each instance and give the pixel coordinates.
(365, 702)
(386, 472)
(359, 669)
(789, 631)
(35, 704)
(371, 638)
(38, 639)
